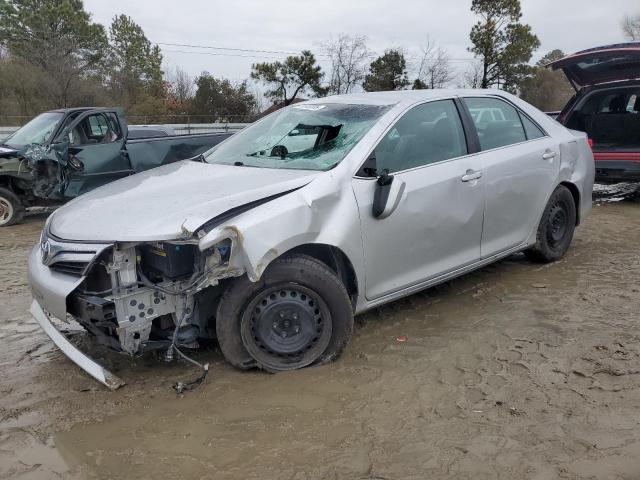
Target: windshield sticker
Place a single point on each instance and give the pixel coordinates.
(311, 108)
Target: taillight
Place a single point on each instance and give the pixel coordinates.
(590, 141)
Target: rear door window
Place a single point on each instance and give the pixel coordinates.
(429, 133)
(532, 130)
(501, 128)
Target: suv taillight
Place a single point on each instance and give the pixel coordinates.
(590, 141)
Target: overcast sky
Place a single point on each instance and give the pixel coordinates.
(290, 26)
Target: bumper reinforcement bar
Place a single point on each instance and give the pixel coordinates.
(91, 367)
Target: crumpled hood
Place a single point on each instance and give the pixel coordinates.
(161, 203)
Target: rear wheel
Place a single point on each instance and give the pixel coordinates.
(298, 314)
(11, 208)
(556, 228)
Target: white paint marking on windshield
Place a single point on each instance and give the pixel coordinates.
(312, 108)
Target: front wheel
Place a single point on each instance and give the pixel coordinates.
(556, 228)
(11, 208)
(298, 314)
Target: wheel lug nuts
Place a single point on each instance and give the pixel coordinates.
(275, 324)
(297, 329)
(284, 334)
(281, 314)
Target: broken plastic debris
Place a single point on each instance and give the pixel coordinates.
(401, 338)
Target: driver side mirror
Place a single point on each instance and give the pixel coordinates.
(387, 196)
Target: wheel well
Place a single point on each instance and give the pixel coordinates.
(576, 198)
(336, 260)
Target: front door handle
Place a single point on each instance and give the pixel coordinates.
(549, 155)
(471, 175)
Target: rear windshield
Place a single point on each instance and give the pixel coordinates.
(300, 137)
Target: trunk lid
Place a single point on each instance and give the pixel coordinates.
(611, 63)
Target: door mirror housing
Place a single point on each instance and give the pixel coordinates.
(75, 163)
(387, 196)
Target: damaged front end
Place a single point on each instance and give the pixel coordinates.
(138, 296)
(48, 167)
(132, 297)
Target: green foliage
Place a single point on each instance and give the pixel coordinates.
(57, 38)
(388, 72)
(297, 74)
(552, 56)
(419, 85)
(221, 98)
(546, 89)
(135, 66)
(504, 45)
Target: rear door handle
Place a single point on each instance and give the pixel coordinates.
(471, 175)
(549, 155)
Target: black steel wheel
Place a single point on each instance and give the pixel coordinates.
(298, 314)
(556, 228)
(286, 327)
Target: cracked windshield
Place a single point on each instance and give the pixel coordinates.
(302, 137)
(37, 131)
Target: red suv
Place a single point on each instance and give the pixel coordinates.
(606, 107)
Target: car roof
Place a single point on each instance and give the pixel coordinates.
(403, 96)
(80, 109)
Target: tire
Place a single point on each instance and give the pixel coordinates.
(11, 209)
(556, 228)
(297, 314)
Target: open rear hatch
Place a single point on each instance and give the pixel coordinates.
(612, 63)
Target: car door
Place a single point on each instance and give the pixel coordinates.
(437, 224)
(96, 157)
(520, 167)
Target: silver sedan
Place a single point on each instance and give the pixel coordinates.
(274, 239)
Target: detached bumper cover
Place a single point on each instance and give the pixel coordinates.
(92, 368)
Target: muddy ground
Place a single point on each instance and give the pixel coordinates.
(518, 371)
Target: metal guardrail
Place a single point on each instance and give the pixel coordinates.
(179, 128)
(6, 131)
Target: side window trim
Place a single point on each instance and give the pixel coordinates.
(470, 132)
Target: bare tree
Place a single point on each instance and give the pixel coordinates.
(631, 26)
(349, 57)
(472, 77)
(182, 87)
(434, 68)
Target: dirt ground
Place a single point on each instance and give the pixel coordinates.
(518, 371)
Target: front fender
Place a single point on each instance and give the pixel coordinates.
(302, 217)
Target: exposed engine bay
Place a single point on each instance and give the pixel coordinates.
(150, 296)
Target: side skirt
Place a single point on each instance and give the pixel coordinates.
(439, 279)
